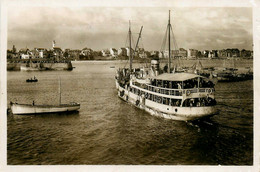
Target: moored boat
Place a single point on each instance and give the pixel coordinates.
(177, 96)
(20, 109)
(229, 75)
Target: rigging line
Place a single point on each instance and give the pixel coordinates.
(174, 40)
(164, 40)
(126, 46)
(176, 47)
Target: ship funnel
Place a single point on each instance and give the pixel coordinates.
(155, 67)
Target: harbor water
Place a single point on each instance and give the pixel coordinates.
(107, 130)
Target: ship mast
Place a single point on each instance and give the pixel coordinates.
(130, 47)
(138, 39)
(169, 37)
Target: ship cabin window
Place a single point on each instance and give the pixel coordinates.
(150, 96)
(166, 84)
(164, 100)
(175, 102)
(205, 83)
(154, 98)
(199, 102)
(197, 83)
(162, 91)
(178, 93)
(159, 83)
(191, 83)
(159, 99)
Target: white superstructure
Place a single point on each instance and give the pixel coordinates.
(178, 96)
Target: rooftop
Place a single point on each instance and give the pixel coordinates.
(176, 76)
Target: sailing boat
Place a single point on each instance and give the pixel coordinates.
(177, 96)
(20, 109)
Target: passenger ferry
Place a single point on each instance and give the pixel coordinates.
(177, 96)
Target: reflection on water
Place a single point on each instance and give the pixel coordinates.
(107, 130)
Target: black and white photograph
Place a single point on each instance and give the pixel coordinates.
(123, 84)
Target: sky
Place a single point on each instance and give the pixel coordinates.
(202, 28)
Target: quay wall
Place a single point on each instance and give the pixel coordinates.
(48, 66)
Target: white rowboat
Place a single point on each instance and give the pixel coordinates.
(20, 109)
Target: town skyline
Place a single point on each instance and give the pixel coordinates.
(206, 28)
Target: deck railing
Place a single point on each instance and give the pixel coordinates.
(174, 92)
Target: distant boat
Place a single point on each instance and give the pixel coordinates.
(112, 66)
(232, 75)
(32, 80)
(26, 68)
(21, 109)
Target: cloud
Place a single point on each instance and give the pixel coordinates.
(104, 27)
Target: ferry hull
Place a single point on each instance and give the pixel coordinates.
(166, 111)
(20, 109)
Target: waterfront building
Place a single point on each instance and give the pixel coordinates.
(192, 53)
(105, 53)
(164, 54)
(40, 52)
(246, 53)
(175, 53)
(214, 53)
(86, 51)
(56, 52)
(222, 53)
(113, 52)
(25, 53)
(235, 52)
(205, 53)
(154, 54)
(74, 54)
(183, 53)
(122, 51)
(140, 53)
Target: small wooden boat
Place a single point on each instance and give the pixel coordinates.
(20, 109)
